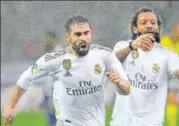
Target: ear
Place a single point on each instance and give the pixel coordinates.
(134, 29)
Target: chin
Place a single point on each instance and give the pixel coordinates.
(82, 53)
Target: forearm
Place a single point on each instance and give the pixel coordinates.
(124, 87)
(16, 95)
(122, 53)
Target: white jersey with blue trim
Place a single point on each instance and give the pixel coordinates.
(148, 73)
(78, 88)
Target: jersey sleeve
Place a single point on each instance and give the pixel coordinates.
(113, 63)
(120, 45)
(36, 74)
(172, 63)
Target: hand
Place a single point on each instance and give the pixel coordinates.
(144, 41)
(115, 78)
(8, 116)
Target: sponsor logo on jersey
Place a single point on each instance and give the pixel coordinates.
(85, 88)
(140, 81)
(34, 68)
(135, 54)
(67, 66)
(97, 69)
(155, 68)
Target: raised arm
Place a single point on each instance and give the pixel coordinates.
(123, 48)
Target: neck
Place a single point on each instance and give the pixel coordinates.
(72, 52)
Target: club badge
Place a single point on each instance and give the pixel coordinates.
(155, 68)
(67, 66)
(135, 54)
(97, 69)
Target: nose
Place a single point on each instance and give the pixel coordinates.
(149, 25)
(83, 37)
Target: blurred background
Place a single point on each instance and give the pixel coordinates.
(31, 28)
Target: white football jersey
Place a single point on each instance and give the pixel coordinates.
(78, 88)
(148, 73)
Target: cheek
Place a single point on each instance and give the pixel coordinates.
(139, 29)
(89, 37)
(157, 28)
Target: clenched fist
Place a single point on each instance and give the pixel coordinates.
(114, 77)
(144, 41)
(8, 116)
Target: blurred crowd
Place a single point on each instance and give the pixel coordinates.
(171, 41)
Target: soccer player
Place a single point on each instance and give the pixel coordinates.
(148, 66)
(79, 73)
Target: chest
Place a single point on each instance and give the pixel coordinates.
(77, 73)
(146, 66)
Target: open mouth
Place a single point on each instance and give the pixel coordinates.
(84, 47)
(152, 32)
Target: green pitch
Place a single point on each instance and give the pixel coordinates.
(38, 119)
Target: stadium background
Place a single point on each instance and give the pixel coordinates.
(27, 20)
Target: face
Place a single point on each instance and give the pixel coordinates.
(147, 23)
(79, 38)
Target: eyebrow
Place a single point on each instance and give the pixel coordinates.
(81, 32)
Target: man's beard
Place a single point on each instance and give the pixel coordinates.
(82, 49)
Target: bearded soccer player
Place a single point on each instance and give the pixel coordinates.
(148, 66)
(79, 73)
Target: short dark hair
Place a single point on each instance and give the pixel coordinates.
(135, 17)
(75, 20)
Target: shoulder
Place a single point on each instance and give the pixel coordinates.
(164, 50)
(162, 47)
(100, 47)
(54, 55)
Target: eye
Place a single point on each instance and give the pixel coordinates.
(153, 22)
(86, 32)
(78, 34)
(143, 23)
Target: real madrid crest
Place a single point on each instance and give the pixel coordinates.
(155, 68)
(135, 54)
(67, 66)
(97, 69)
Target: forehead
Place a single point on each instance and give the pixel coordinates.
(147, 16)
(80, 27)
